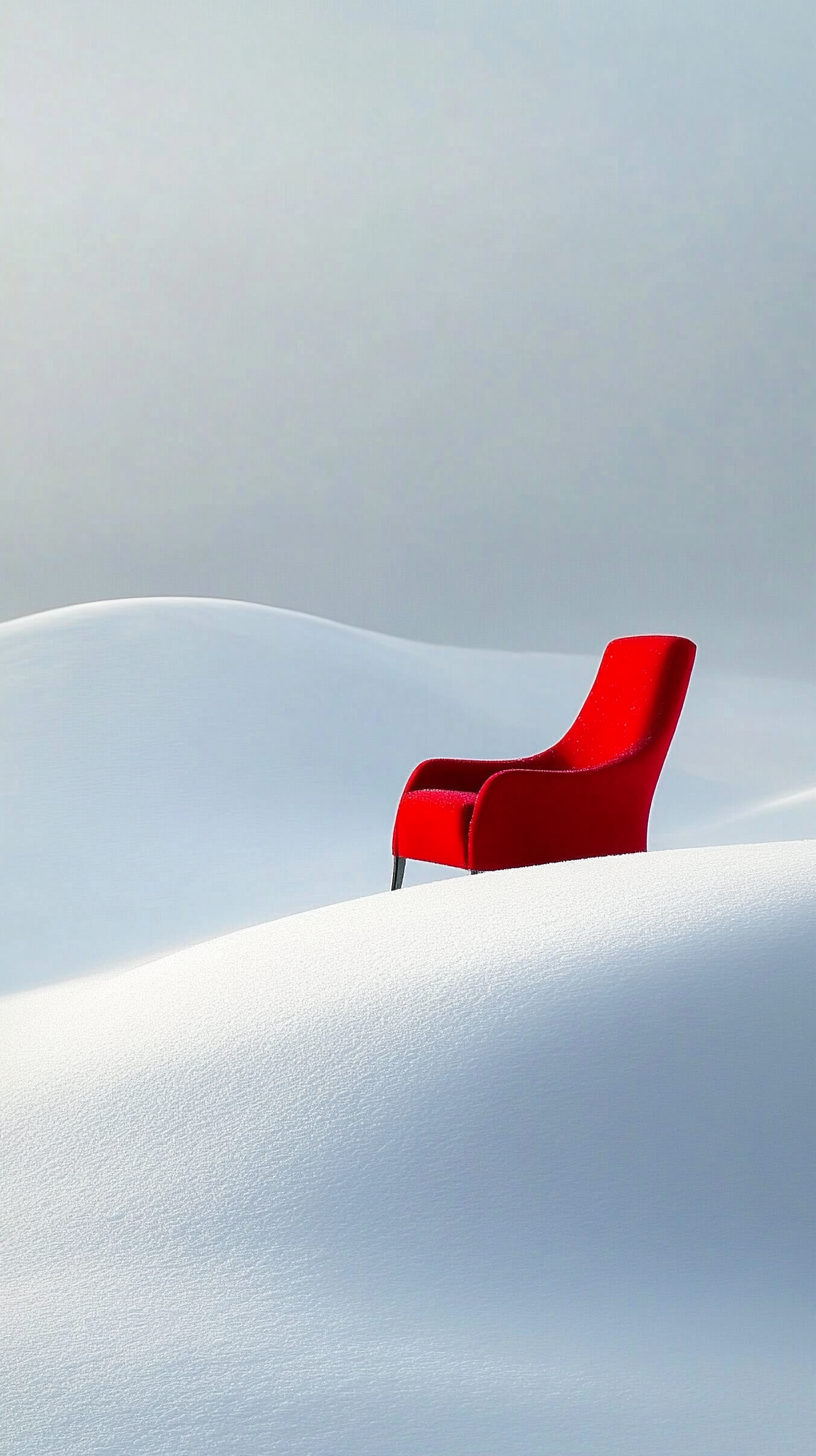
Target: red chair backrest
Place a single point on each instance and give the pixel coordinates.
(633, 704)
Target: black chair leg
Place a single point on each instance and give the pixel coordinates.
(398, 874)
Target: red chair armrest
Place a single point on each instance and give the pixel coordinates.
(537, 816)
(466, 775)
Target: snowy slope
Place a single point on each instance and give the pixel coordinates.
(519, 1164)
(173, 769)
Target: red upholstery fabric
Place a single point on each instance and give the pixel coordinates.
(590, 794)
(437, 824)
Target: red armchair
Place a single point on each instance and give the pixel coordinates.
(590, 794)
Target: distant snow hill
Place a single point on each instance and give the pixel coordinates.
(519, 1165)
(174, 769)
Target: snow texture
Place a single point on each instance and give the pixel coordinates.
(174, 769)
(519, 1165)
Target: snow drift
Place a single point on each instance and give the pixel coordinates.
(172, 770)
(516, 1164)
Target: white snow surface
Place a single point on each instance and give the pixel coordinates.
(519, 1165)
(173, 769)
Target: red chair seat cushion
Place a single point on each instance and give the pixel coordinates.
(433, 824)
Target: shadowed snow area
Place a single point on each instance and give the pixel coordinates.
(519, 1164)
(173, 769)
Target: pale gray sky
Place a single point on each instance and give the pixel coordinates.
(490, 323)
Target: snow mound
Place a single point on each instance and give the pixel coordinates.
(516, 1164)
(171, 769)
